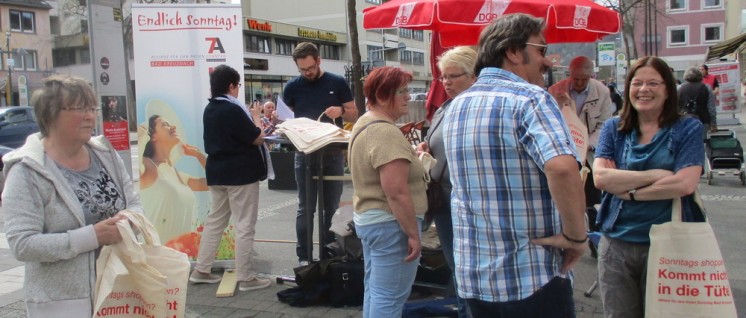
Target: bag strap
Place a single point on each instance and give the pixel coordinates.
(677, 206)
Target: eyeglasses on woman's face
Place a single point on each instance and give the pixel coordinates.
(450, 77)
(82, 109)
(649, 84)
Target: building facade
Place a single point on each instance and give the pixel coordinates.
(26, 49)
(682, 30)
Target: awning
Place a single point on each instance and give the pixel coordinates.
(726, 47)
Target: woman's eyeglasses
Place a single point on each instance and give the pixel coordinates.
(446, 78)
(650, 84)
(83, 110)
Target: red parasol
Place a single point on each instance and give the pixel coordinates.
(459, 22)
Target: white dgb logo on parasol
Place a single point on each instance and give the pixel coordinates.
(405, 12)
(581, 16)
(491, 10)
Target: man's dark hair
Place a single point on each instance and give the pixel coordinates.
(304, 49)
(509, 32)
(221, 79)
(704, 66)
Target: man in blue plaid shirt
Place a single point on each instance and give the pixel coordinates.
(517, 197)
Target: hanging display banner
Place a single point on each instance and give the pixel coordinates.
(730, 86)
(176, 47)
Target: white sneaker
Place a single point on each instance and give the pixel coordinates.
(256, 283)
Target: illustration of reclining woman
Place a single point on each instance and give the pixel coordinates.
(166, 193)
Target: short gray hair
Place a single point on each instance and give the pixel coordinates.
(693, 74)
(509, 32)
(462, 57)
(58, 92)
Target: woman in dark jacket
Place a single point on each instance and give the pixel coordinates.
(236, 162)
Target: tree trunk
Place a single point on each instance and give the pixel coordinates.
(357, 70)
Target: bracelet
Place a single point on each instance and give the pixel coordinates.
(574, 240)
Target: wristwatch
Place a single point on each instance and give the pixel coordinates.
(632, 194)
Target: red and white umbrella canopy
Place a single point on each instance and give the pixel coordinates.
(459, 22)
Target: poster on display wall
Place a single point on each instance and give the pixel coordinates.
(730, 86)
(176, 47)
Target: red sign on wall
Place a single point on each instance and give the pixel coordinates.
(118, 134)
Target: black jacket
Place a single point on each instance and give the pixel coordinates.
(695, 91)
(232, 158)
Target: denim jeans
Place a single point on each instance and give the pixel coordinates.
(444, 223)
(388, 278)
(553, 300)
(333, 166)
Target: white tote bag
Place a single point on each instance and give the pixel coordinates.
(136, 279)
(686, 273)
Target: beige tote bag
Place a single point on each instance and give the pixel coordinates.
(686, 272)
(136, 279)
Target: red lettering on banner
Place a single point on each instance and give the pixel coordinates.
(401, 20)
(171, 63)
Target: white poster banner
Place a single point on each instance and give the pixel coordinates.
(730, 86)
(176, 47)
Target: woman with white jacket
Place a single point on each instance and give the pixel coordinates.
(62, 195)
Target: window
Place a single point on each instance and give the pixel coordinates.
(418, 35)
(412, 34)
(256, 43)
(712, 3)
(285, 47)
(712, 33)
(26, 61)
(22, 21)
(63, 57)
(373, 1)
(405, 57)
(375, 56)
(677, 4)
(677, 36)
(85, 56)
(418, 58)
(329, 52)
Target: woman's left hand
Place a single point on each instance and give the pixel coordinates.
(191, 151)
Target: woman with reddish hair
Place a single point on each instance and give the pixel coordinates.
(389, 198)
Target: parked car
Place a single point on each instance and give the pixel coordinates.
(16, 123)
(419, 96)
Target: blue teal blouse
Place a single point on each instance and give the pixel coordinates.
(673, 148)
